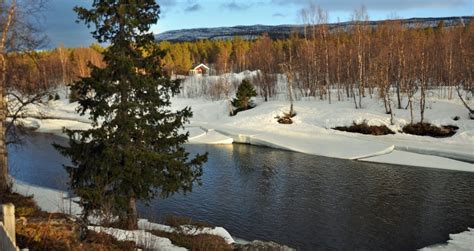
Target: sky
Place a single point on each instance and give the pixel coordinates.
(60, 26)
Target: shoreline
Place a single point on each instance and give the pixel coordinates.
(370, 148)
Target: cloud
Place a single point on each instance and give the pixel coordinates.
(166, 3)
(233, 6)
(344, 5)
(192, 8)
(166, 6)
(278, 14)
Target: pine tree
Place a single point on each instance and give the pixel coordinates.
(244, 93)
(134, 150)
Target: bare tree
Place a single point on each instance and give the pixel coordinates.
(359, 19)
(471, 110)
(289, 71)
(4, 178)
(19, 33)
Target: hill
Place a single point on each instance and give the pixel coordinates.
(283, 31)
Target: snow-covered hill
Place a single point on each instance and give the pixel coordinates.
(283, 31)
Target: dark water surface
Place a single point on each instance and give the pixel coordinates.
(304, 201)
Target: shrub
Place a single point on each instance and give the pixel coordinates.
(286, 118)
(73, 96)
(427, 129)
(364, 128)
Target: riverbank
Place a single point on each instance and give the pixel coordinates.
(311, 131)
(48, 210)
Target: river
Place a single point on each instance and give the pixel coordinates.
(304, 201)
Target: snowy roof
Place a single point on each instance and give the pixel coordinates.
(201, 65)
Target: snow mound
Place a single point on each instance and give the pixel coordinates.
(461, 242)
(142, 238)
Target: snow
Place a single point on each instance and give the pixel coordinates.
(211, 137)
(49, 200)
(311, 131)
(460, 242)
(142, 238)
(188, 230)
(415, 159)
(333, 145)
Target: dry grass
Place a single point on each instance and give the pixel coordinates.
(39, 230)
(426, 129)
(195, 242)
(192, 242)
(178, 221)
(364, 128)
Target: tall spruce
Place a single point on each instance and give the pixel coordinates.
(134, 150)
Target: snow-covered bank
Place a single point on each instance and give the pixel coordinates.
(461, 242)
(49, 200)
(57, 201)
(311, 131)
(315, 144)
(198, 135)
(421, 160)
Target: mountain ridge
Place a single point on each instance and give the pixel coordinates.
(284, 30)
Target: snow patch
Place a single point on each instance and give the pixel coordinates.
(142, 238)
(187, 230)
(49, 200)
(461, 242)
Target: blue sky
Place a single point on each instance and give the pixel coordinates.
(60, 26)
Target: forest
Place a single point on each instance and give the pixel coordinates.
(350, 63)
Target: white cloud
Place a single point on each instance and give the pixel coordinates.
(336, 5)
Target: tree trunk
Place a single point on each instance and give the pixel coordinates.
(132, 215)
(4, 178)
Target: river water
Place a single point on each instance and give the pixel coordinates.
(304, 201)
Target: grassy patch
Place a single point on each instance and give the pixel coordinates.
(178, 221)
(195, 242)
(427, 129)
(364, 128)
(192, 242)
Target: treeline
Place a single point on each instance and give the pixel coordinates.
(34, 70)
(367, 57)
(354, 62)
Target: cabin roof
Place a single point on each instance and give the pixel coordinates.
(201, 65)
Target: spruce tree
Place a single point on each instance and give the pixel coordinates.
(245, 92)
(134, 151)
